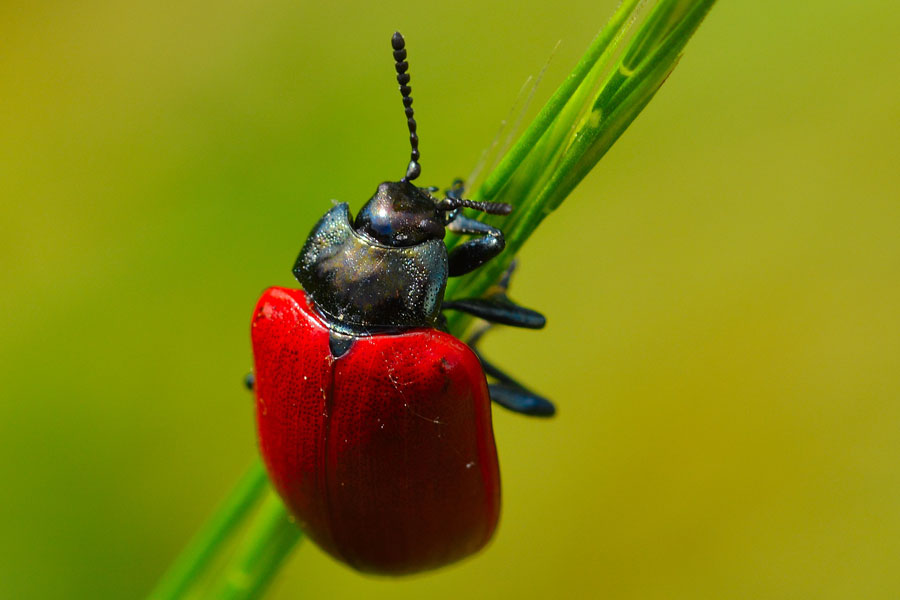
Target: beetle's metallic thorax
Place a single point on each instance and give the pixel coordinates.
(363, 286)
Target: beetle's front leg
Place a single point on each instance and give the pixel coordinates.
(470, 255)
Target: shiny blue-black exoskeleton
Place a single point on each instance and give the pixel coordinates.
(386, 270)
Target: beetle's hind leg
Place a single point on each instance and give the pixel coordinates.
(497, 308)
(506, 391)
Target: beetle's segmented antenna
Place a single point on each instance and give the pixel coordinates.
(399, 45)
(491, 208)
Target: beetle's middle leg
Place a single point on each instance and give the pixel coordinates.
(496, 307)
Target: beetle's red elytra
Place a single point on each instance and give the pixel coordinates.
(381, 452)
(374, 422)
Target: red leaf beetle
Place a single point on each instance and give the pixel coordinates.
(375, 423)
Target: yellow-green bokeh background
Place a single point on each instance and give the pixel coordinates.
(723, 291)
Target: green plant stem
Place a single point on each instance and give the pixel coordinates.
(206, 543)
(650, 58)
(267, 544)
(513, 159)
(530, 161)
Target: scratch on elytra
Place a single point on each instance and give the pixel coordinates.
(397, 386)
(436, 421)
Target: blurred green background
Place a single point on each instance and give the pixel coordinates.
(723, 291)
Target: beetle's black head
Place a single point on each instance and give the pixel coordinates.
(400, 214)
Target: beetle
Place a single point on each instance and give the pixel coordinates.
(374, 422)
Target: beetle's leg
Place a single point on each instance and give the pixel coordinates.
(456, 189)
(509, 393)
(497, 308)
(500, 310)
(521, 400)
(249, 380)
(470, 255)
